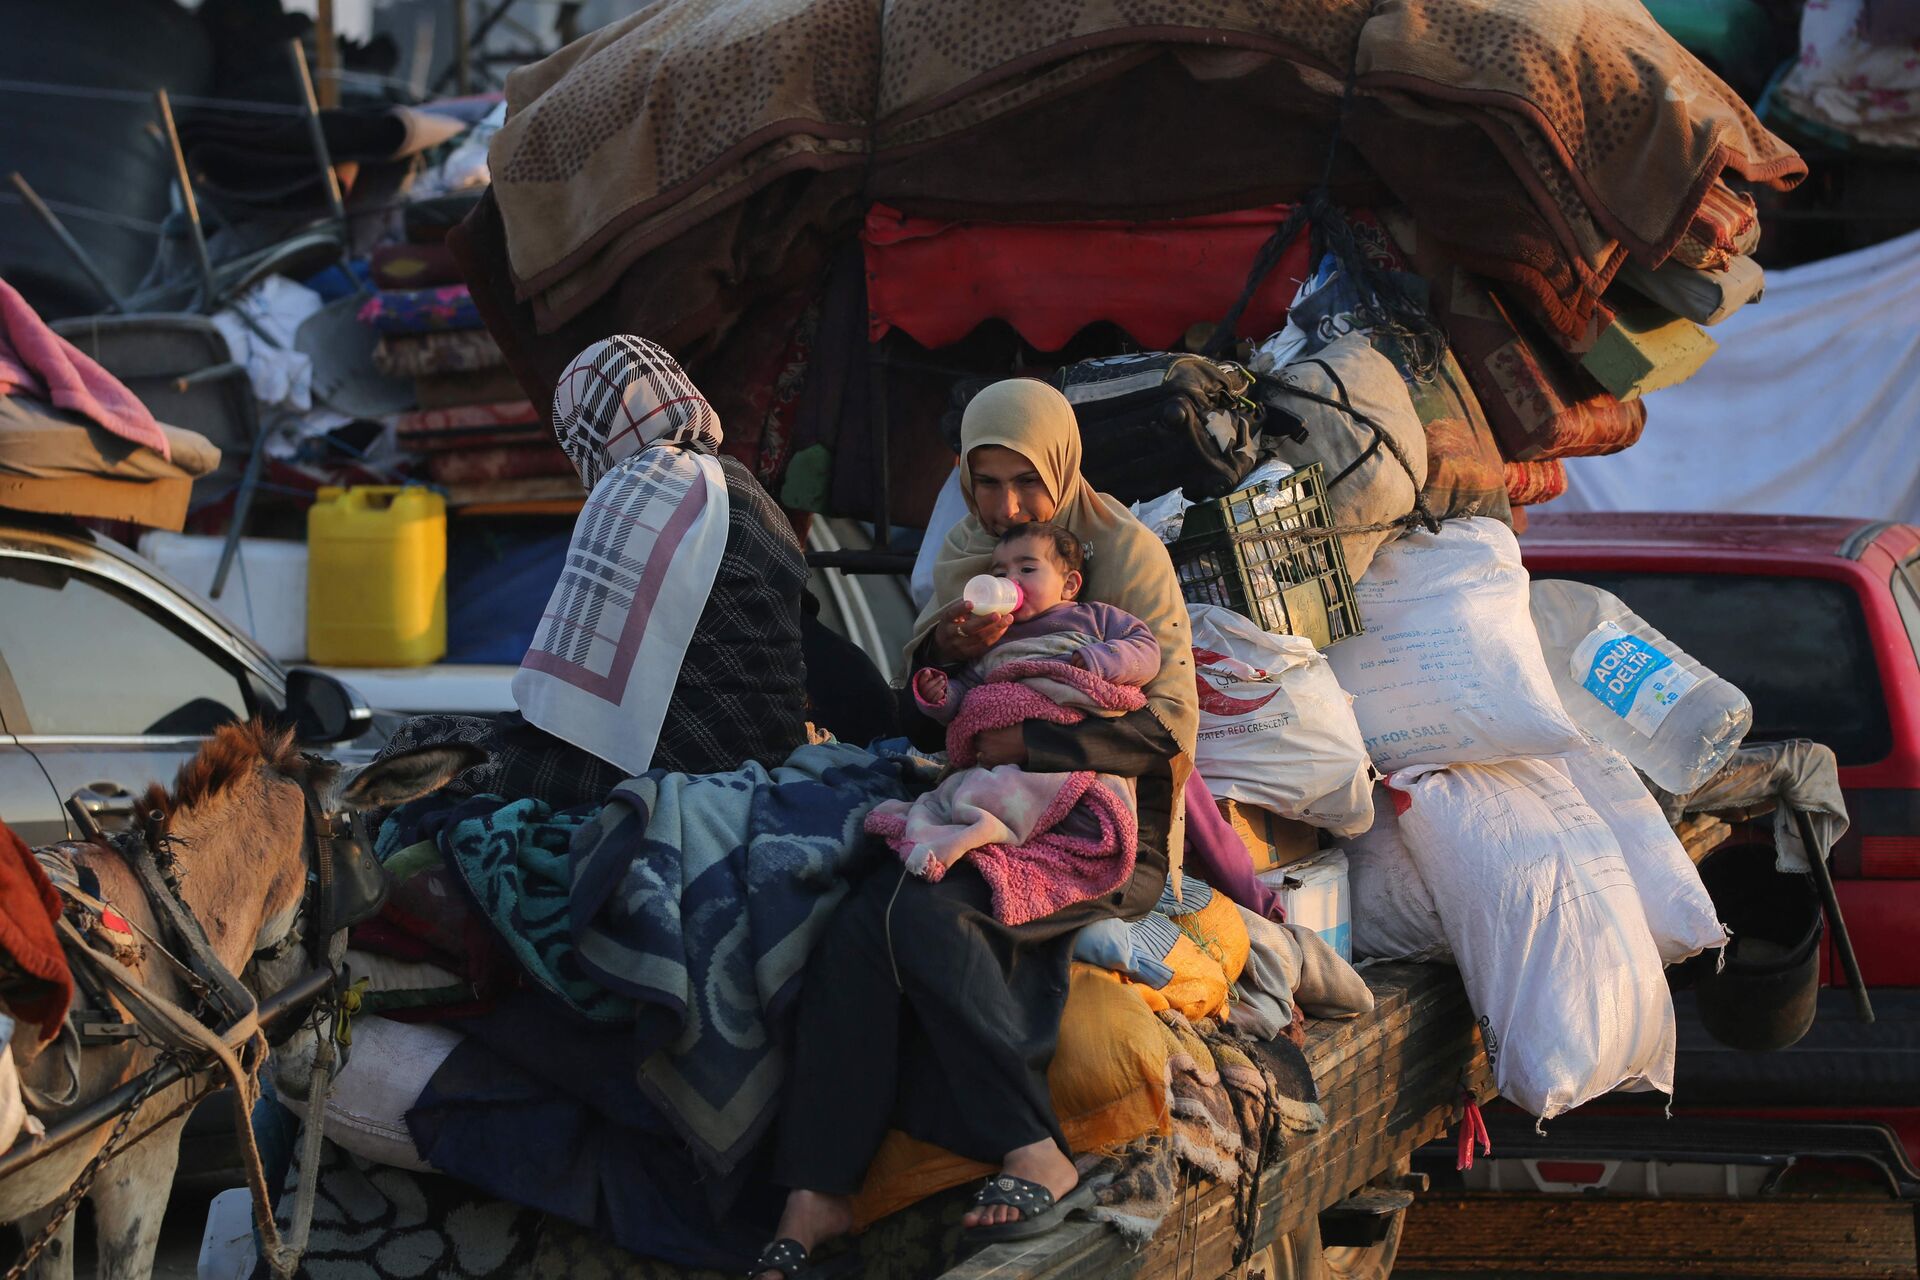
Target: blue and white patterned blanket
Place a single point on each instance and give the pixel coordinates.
(703, 895)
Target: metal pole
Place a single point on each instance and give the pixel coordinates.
(73, 247)
(462, 51)
(329, 181)
(242, 505)
(84, 1119)
(1823, 876)
(326, 51)
(186, 192)
(461, 73)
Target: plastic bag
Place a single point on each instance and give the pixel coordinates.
(1449, 670)
(1276, 729)
(1546, 925)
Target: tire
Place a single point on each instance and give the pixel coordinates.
(1299, 1255)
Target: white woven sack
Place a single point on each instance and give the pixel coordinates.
(1546, 927)
(1679, 910)
(1276, 729)
(1393, 913)
(1449, 669)
(388, 1070)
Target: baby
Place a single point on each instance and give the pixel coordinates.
(1042, 840)
(1046, 561)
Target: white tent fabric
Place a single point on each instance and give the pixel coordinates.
(1811, 406)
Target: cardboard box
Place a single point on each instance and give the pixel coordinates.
(1273, 841)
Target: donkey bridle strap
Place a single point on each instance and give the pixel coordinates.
(231, 1000)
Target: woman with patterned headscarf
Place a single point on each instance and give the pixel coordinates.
(672, 638)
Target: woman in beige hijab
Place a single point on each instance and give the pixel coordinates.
(967, 1071)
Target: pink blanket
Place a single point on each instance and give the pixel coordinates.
(1042, 841)
(37, 362)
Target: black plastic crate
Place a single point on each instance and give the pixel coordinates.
(1266, 553)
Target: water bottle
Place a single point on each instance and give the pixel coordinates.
(1634, 689)
(988, 594)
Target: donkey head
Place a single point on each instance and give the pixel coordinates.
(242, 824)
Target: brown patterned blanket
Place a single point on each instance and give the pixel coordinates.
(1583, 128)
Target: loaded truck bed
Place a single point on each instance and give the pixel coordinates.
(1389, 1081)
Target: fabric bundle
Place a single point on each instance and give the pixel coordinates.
(1857, 75)
(486, 464)
(424, 354)
(1531, 483)
(1724, 226)
(421, 428)
(1535, 399)
(1544, 146)
(436, 310)
(1042, 841)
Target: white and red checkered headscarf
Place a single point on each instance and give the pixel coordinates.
(624, 394)
(606, 658)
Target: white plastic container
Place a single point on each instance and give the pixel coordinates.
(266, 591)
(226, 1243)
(1316, 895)
(1634, 689)
(988, 594)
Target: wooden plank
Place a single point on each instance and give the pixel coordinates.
(1389, 1081)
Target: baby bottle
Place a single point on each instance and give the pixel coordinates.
(988, 594)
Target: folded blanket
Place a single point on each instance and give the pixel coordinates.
(1034, 689)
(1236, 1104)
(479, 465)
(1536, 400)
(1725, 225)
(401, 355)
(441, 428)
(39, 363)
(1704, 297)
(442, 390)
(699, 897)
(1531, 483)
(1042, 841)
(445, 308)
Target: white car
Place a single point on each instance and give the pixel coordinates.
(112, 675)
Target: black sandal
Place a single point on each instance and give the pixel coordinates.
(789, 1257)
(1039, 1212)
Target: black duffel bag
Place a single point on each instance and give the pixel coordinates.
(1162, 420)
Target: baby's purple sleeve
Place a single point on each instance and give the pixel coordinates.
(959, 683)
(1127, 652)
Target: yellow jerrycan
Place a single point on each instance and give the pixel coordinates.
(376, 577)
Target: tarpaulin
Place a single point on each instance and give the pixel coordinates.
(1808, 408)
(938, 280)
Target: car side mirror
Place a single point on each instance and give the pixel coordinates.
(323, 709)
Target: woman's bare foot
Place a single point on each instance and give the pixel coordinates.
(811, 1218)
(1042, 1162)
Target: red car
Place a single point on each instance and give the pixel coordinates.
(1818, 621)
